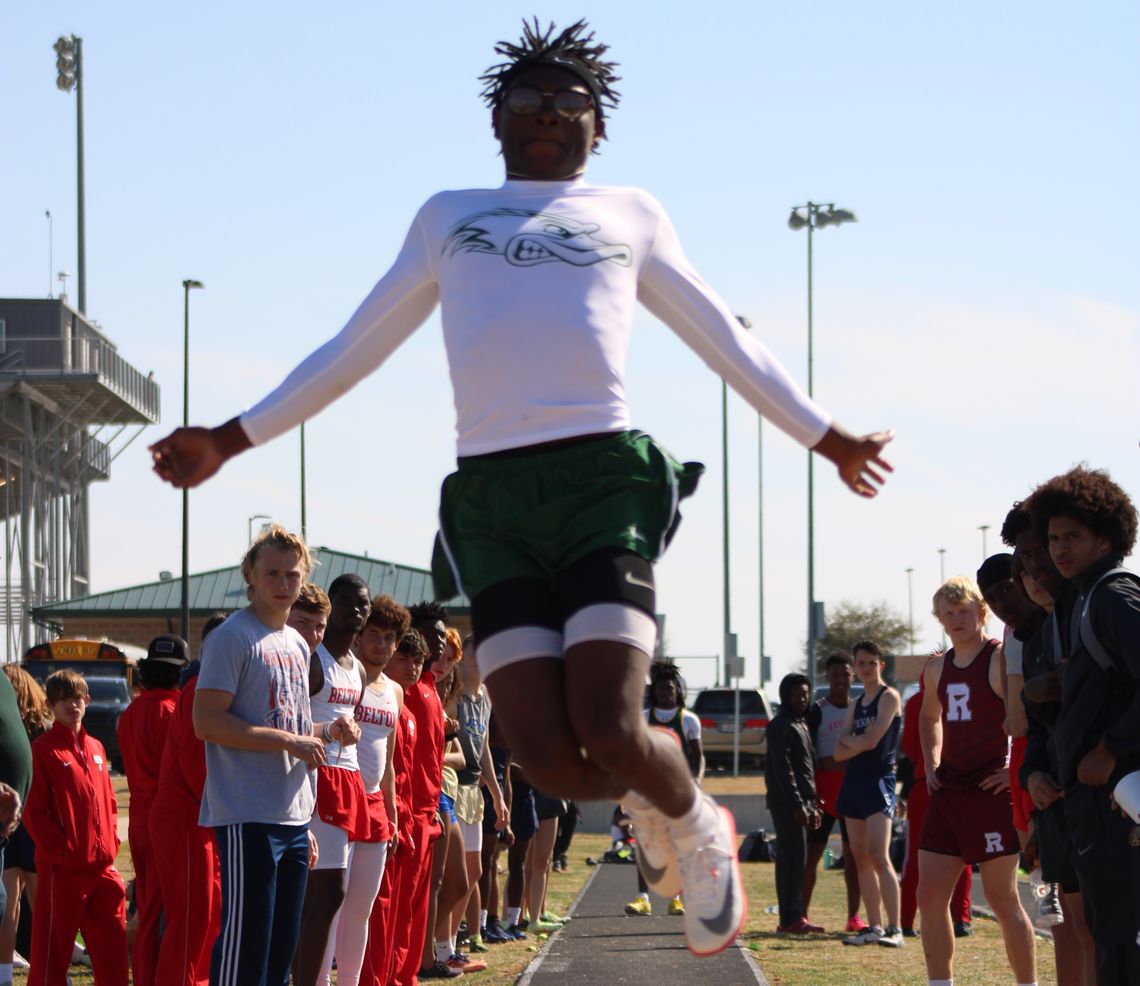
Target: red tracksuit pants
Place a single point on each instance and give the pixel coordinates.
(915, 815)
(186, 862)
(92, 903)
(148, 898)
(412, 905)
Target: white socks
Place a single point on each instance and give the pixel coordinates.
(513, 915)
(688, 831)
(443, 951)
(941, 982)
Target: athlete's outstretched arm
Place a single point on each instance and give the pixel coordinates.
(673, 291)
(399, 304)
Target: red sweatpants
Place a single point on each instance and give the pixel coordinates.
(915, 816)
(412, 905)
(187, 866)
(92, 903)
(148, 898)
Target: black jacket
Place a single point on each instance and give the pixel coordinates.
(789, 766)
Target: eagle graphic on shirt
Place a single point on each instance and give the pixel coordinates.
(527, 238)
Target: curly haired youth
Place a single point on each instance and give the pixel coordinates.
(1091, 497)
(573, 49)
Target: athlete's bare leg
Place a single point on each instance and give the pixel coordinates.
(938, 875)
(605, 686)
(999, 880)
(530, 702)
(870, 842)
(324, 893)
(1074, 965)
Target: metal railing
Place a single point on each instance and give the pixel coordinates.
(31, 356)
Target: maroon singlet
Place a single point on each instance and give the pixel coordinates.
(974, 741)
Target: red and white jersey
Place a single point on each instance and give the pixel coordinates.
(831, 723)
(339, 696)
(376, 713)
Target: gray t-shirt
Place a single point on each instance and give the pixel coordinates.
(474, 714)
(266, 671)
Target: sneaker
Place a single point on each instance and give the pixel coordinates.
(909, 933)
(553, 918)
(545, 927)
(676, 907)
(475, 944)
(800, 927)
(715, 903)
(1049, 911)
(892, 937)
(439, 970)
(493, 934)
(855, 925)
(465, 964)
(19, 962)
(963, 929)
(639, 905)
(868, 937)
(656, 857)
(514, 933)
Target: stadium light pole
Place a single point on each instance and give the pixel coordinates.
(812, 216)
(941, 582)
(984, 528)
(249, 525)
(910, 605)
(187, 286)
(69, 67)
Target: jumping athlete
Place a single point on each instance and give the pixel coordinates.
(538, 282)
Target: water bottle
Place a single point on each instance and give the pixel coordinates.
(828, 858)
(1048, 902)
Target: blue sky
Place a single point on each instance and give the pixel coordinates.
(986, 304)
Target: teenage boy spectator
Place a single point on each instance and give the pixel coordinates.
(1091, 527)
(142, 731)
(252, 710)
(915, 797)
(73, 820)
(965, 749)
(336, 681)
(378, 713)
(666, 710)
(563, 612)
(186, 859)
(826, 719)
(789, 774)
(309, 615)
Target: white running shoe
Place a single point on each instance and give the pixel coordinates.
(656, 858)
(715, 904)
(869, 937)
(892, 937)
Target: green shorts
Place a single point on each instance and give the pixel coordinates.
(530, 513)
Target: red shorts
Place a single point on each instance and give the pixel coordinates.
(1022, 802)
(827, 785)
(341, 801)
(379, 828)
(973, 824)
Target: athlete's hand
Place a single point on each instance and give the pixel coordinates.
(1043, 789)
(345, 731)
(314, 851)
(815, 820)
(10, 809)
(800, 816)
(997, 781)
(309, 749)
(501, 814)
(859, 459)
(932, 782)
(187, 456)
(1031, 854)
(1045, 687)
(1096, 766)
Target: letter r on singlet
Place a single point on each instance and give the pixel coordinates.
(958, 695)
(993, 843)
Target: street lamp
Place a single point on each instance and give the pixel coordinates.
(69, 68)
(304, 519)
(941, 582)
(249, 525)
(813, 216)
(984, 528)
(187, 286)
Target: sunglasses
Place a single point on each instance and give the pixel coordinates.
(568, 103)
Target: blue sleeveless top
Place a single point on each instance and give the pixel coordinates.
(879, 762)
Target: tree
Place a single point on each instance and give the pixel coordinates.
(848, 623)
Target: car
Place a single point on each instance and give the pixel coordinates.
(856, 692)
(715, 707)
(109, 697)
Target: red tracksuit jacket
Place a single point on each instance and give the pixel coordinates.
(71, 812)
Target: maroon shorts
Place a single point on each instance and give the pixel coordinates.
(379, 828)
(973, 824)
(341, 801)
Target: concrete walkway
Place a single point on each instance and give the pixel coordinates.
(602, 944)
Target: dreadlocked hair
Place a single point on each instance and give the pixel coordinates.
(427, 612)
(573, 48)
(667, 671)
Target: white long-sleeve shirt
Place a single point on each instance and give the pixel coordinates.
(538, 283)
